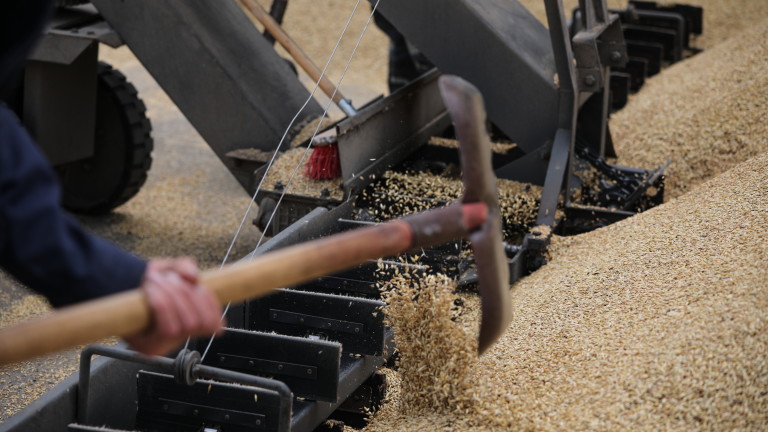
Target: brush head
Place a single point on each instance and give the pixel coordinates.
(324, 163)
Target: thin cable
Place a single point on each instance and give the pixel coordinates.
(282, 140)
(319, 125)
(306, 151)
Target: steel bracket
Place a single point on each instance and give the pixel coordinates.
(598, 47)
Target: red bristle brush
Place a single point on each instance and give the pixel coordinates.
(324, 163)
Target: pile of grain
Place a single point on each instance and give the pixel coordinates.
(722, 19)
(436, 385)
(400, 194)
(725, 19)
(656, 322)
(285, 165)
(707, 113)
(310, 129)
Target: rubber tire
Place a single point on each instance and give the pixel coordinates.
(122, 150)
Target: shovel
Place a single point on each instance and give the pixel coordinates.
(475, 216)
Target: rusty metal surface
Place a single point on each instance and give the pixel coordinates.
(465, 105)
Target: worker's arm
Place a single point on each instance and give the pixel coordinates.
(47, 250)
(40, 244)
(50, 252)
(180, 306)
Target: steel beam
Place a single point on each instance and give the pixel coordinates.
(498, 46)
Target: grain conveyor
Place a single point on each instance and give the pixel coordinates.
(313, 350)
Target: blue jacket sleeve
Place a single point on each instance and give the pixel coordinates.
(40, 244)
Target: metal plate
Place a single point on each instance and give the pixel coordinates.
(309, 367)
(359, 281)
(166, 405)
(357, 323)
(250, 93)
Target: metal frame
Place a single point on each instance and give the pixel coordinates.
(516, 72)
(577, 102)
(379, 136)
(515, 69)
(185, 368)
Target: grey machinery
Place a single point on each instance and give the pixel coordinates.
(548, 90)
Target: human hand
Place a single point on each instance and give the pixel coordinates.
(180, 307)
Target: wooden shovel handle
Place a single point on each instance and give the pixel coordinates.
(256, 12)
(128, 313)
(307, 261)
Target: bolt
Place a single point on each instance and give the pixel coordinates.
(279, 367)
(615, 56)
(357, 329)
(258, 422)
(309, 371)
(590, 80)
(195, 412)
(250, 363)
(222, 359)
(226, 417)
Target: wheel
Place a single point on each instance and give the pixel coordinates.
(122, 150)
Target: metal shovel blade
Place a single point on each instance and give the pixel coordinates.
(465, 105)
